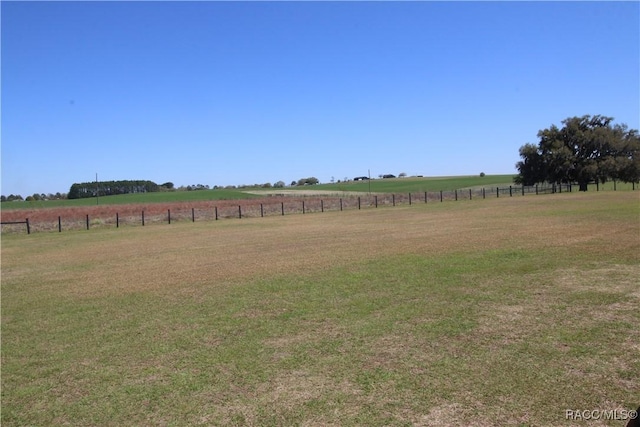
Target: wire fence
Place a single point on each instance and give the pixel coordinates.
(125, 216)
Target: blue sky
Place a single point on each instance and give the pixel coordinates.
(229, 93)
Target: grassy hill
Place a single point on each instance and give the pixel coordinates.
(393, 185)
(417, 184)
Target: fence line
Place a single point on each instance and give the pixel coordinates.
(308, 204)
(26, 222)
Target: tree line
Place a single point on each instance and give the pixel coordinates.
(110, 188)
(586, 149)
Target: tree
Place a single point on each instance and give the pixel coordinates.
(585, 149)
(307, 181)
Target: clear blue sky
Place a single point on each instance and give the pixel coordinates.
(221, 93)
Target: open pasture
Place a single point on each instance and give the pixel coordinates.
(498, 312)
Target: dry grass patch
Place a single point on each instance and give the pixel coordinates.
(497, 312)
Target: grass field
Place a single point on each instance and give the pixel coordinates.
(398, 185)
(394, 185)
(486, 313)
(138, 198)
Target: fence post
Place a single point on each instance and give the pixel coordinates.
(614, 185)
(303, 207)
(261, 211)
(376, 199)
(143, 218)
(215, 208)
(282, 207)
(409, 199)
(169, 215)
(456, 194)
(510, 191)
(440, 196)
(393, 199)
(497, 192)
(523, 189)
(340, 204)
(239, 211)
(469, 194)
(358, 202)
(87, 221)
(193, 215)
(483, 193)
(321, 205)
(117, 220)
(28, 227)
(536, 189)
(425, 197)
(60, 224)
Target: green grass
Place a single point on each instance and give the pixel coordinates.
(140, 198)
(405, 185)
(397, 185)
(394, 185)
(504, 312)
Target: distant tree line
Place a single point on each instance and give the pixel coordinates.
(35, 196)
(110, 188)
(306, 181)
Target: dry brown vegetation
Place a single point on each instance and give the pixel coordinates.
(485, 313)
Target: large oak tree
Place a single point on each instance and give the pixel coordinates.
(584, 150)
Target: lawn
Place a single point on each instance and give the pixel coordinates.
(496, 312)
(134, 198)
